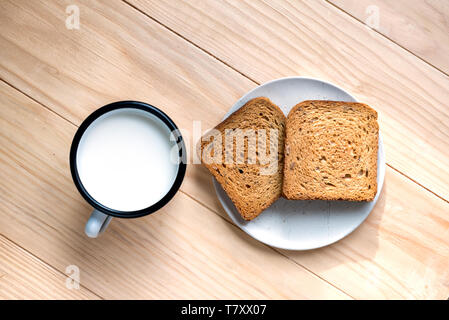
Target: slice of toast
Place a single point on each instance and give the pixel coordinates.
(248, 158)
(331, 151)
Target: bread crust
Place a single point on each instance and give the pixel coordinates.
(250, 192)
(331, 151)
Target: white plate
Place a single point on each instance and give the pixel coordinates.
(298, 224)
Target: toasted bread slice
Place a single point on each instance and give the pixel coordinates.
(331, 151)
(250, 172)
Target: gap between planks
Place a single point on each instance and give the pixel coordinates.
(189, 196)
(258, 83)
(269, 247)
(244, 75)
(45, 262)
(216, 58)
(190, 42)
(419, 184)
(386, 37)
(38, 102)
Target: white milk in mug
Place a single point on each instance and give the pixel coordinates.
(124, 160)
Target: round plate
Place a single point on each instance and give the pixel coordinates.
(302, 224)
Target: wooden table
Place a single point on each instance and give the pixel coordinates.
(194, 59)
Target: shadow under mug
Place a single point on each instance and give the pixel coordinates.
(102, 215)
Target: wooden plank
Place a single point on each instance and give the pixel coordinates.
(388, 269)
(273, 39)
(183, 251)
(400, 252)
(117, 54)
(23, 276)
(421, 27)
(32, 67)
(150, 64)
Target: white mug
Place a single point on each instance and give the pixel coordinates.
(127, 160)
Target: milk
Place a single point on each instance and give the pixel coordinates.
(124, 160)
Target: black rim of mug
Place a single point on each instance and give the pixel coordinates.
(131, 105)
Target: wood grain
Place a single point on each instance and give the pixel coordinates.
(399, 252)
(117, 54)
(421, 27)
(183, 251)
(23, 276)
(273, 39)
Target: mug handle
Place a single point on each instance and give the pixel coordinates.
(96, 224)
